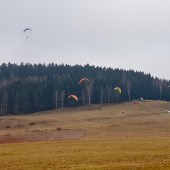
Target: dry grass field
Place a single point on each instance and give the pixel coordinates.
(119, 136)
(129, 154)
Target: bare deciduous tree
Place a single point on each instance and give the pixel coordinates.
(62, 98)
(101, 95)
(56, 99)
(127, 84)
(109, 92)
(83, 97)
(89, 88)
(161, 84)
(129, 89)
(16, 108)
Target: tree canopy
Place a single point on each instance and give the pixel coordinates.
(28, 88)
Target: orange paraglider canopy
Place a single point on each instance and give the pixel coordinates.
(73, 96)
(83, 79)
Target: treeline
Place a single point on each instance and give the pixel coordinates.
(28, 88)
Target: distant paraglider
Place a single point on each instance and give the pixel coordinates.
(83, 80)
(118, 90)
(26, 31)
(73, 96)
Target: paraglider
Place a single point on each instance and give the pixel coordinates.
(27, 30)
(73, 96)
(118, 90)
(83, 80)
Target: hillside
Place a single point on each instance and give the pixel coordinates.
(28, 88)
(125, 120)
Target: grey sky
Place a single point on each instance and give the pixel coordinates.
(129, 34)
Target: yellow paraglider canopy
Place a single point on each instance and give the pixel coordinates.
(118, 89)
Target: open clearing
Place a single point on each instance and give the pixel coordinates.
(120, 136)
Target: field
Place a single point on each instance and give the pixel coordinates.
(120, 136)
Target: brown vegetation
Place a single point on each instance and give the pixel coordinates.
(125, 120)
(121, 136)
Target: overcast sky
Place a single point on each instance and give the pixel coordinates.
(128, 34)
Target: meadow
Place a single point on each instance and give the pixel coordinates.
(120, 154)
(121, 136)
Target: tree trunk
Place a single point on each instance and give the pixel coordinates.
(56, 99)
(109, 91)
(129, 89)
(101, 95)
(62, 99)
(83, 98)
(89, 88)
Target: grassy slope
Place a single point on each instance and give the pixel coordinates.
(146, 119)
(123, 136)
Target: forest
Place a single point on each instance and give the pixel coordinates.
(29, 88)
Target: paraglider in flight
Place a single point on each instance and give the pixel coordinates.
(27, 29)
(118, 92)
(73, 96)
(83, 79)
(118, 89)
